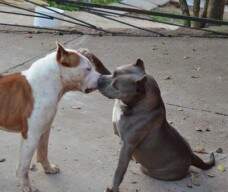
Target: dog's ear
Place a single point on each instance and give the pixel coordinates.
(114, 84)
(139, 63)
(99, 66)
(61, 52)
(67, 58)
(140, 84)
(85, 52)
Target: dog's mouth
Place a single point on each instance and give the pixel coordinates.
(89, 90)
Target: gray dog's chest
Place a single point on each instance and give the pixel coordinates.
(126, 124)
(116, 117)
(120, 121)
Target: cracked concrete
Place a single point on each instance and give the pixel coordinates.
(192, 74)
(198, 109)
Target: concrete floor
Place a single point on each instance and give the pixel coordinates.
(82, 142)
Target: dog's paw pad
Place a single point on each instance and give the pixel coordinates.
(52, 169)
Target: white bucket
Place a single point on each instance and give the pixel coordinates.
(42, 22)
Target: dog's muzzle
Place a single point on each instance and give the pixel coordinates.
(101, 83)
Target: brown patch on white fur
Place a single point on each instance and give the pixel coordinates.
(67, 58)
(16, 103)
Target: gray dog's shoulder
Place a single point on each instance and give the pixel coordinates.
(152, 82)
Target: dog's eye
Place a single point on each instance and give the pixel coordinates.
(88, 69)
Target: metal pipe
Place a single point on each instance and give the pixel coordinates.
(4, 3)
(125, 23)
(45, 28)
(153, 20)
(23, 14)
(65, 15)
(53, 17)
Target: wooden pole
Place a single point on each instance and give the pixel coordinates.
(196, 13)
(185, 11)
(216, 9)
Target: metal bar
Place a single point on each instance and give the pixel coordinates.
(65, 15)
(45, 28)
(23, 14)
(125, 23)
(112, 14)
(54, 29)
(153, 20)
(4, 3)
(53, 17)
(66, 31)
(155, 13)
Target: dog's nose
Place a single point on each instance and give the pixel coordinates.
(100, 82)
(88, 90)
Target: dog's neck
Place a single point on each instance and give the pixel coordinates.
(141, 104)
(129, 107)
(46, 73)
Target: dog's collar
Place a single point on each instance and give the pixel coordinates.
(128, 107)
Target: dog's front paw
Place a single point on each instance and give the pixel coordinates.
(111, 190)
(29, 189)
(26, 188)
(52, 169)
(108, 190)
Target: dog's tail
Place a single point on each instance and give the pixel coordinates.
(197, 162)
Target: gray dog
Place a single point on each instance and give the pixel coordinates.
(139, 119)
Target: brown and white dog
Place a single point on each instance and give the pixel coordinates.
(29, 100)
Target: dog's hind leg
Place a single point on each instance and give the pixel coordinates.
(24, 128)
(42, 154)
(27, 150)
